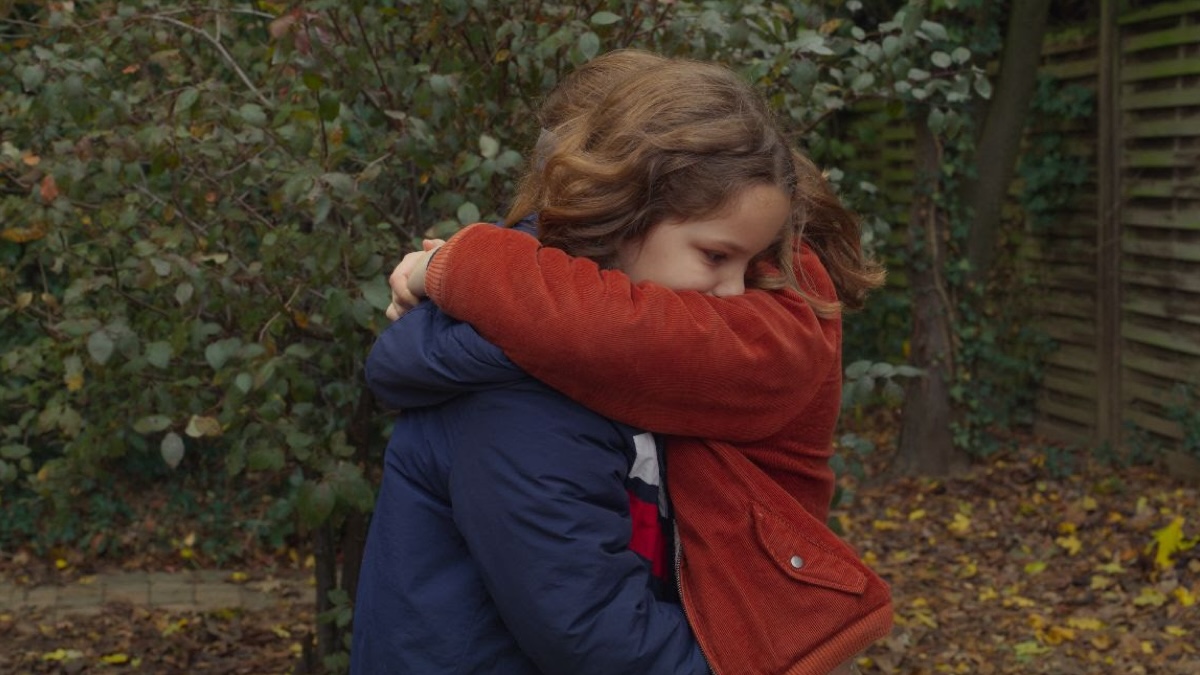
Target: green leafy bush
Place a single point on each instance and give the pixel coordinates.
(198, 204)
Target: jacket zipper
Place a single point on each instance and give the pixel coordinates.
(679, 588)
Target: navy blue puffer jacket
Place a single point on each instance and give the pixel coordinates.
(501, 536)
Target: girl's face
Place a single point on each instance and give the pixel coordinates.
(710, 254)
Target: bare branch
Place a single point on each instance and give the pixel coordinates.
(220, 48)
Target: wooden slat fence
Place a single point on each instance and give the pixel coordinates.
(1120, 267)
(1158, 99)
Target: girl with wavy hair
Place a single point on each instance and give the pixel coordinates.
(675, 192)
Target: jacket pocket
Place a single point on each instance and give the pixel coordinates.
(806, 550)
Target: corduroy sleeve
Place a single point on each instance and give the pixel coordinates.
(679, 363)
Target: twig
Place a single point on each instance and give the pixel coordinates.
(220, 48)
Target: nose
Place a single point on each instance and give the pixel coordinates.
(734, 284)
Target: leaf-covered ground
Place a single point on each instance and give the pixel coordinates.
(1008, 569)
(1011, 569)
(133, 639)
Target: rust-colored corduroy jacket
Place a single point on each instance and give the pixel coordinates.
(767, 587)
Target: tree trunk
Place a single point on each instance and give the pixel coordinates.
(926, 442)
(999, 139)
(325, 553)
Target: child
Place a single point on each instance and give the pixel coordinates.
(758, 375)
(511, 521)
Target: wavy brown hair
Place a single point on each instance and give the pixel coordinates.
(633, 139)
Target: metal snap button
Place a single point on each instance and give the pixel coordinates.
(797, 562)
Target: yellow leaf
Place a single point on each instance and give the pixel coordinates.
(1150, 596)
(61, 564)
(1169, 541)
(1085, 623)
(1066, 528)
(1036, 567)
(1101, 641)
(1147, 647)
(239, 577)
(115, 659)
(1030, 649)
(1113, 567)
(885, 525)
(1175, 631)
(988, 593)
(74, 381)
(1090, 504)
(23, 235)
(968, 570)
(200, 426)
(1059, 634)
(916, 514)
(961, 524)
(1019, 601)
(281, 631)
(1185, 596)
(175, 627)
(62, 655)
(829, 26)
(1070, 544)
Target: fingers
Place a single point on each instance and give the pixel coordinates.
(405, 293)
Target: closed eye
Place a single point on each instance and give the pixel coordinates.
(714, 257)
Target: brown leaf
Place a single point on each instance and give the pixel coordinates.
(49, 189)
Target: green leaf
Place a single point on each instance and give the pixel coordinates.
(857, 369)
(983, 87)
(488, 146)
(376, 292)
(187, 98)
(350, 486)
(219, 352)
(330, 106)
(171, 449)
(312, 81)
(252, 114)
(936, 120)
(468, 213)
(32, 77)
(934, 30)
(941, 59)
(605, 18)
(244, 382)
(961, 55)
(151, 424)
(314, 503)
(918, 75)
(100, 346)
(184, 292)
(863, 82)
(265, 459)
(77, 327)
(158, 354)
(14, 451)
(439, 84)
(589, 45)
(882, 369)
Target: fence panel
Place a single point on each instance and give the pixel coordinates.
(1159, 100)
